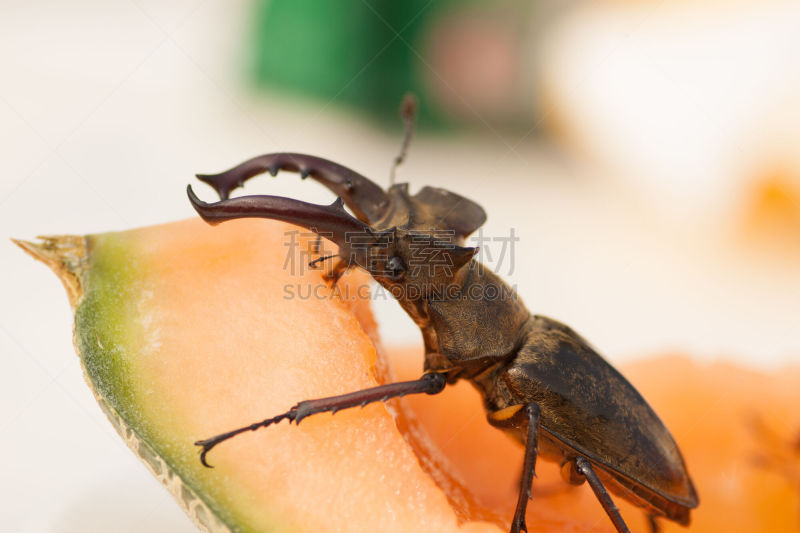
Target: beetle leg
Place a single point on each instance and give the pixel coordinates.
(651, 521)
(585, 467)
(336, 272)
(432, 383)
(368, 201)
(320, 260)
(528, 468)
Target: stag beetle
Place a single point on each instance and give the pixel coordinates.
(540, 381)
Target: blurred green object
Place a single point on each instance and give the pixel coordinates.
(341, 51)
(363, 53)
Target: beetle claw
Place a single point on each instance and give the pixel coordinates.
(208, 444)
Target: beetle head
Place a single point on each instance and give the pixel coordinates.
(411, 262)
(415, 264)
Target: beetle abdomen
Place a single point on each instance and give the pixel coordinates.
(592, 410)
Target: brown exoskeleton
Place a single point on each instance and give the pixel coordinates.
(540, 380)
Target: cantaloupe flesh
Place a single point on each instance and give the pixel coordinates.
(187, 330)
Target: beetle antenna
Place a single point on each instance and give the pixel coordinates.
(408, 112)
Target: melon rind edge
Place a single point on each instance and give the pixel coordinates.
(69, 257)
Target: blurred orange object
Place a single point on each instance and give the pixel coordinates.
(772, 211)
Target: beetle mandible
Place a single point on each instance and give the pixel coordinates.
(540, 381)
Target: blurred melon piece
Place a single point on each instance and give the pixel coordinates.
(769, 204)
(771, 216)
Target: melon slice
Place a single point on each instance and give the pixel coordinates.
(186, 330)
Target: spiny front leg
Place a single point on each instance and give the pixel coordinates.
(432, 383)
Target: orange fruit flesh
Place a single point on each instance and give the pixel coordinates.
(186, 331)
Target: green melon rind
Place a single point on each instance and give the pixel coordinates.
(100, 274)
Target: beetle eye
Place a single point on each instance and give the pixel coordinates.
(395, 267)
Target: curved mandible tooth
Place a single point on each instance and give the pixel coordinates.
(338, 204)
(366, 199)
(330, 221)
